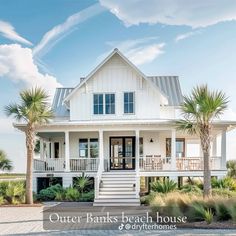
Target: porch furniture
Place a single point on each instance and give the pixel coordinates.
(152, 162)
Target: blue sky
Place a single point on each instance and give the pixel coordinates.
(54, 43)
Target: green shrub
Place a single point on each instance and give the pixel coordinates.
(3, 187)
(208, 216)
(225, 183)
(193, 206)
(231, 167)
(2, 201)
(49, 193)
(60, 196)
(72, 194)
(232, 211)
(221, 192)
(222, 211)
(165, 186)
(87, 197)
(188, 188)
(82, 182)
(15, 192)
(196, 211)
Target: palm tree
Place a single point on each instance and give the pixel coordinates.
(199, 109)
(33, 109)
(82, 182)
(5, 163)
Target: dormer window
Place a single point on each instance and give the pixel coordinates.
(129, 102)
(97, 104)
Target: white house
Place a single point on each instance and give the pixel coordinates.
(118, 126)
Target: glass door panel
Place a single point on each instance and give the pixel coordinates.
(116, 153)
(122, 153)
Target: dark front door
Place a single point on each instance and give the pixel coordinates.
(122, 153)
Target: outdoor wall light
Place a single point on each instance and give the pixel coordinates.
(151, 140)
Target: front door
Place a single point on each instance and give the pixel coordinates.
(122, 153)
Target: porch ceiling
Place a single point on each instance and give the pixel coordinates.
(50, 134)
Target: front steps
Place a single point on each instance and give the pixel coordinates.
(117, 189)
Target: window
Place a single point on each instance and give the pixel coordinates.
(93, 148)
(56, 150)
(110, 103)
(83, 148)
(129, 102)
(98, 104)
(180, 147)
(88, 148)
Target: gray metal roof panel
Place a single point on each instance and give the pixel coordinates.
(59, 108)
(170, 86)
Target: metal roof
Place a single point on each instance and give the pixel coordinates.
(59, 108)
(170, 86)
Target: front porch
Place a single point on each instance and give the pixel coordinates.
(149, 151)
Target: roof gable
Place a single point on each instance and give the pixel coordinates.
(115, 51)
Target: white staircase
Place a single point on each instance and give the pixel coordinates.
(117, 188)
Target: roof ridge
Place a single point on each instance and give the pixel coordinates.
(162, 76)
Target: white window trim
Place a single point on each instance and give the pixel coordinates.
(103, 109)
(89, 156)
(104, 104)
(134, 102)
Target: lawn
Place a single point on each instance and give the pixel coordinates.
(12, 176)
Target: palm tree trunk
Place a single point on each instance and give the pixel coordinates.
(29, 171)
(207, 176)
(206, 145)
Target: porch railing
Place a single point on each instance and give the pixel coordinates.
(76, 164)
(196, 163)
(49, 165)
(84, 164)
(183, 163)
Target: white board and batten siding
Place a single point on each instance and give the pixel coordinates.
(117, 77)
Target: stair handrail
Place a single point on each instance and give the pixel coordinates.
(98, 178)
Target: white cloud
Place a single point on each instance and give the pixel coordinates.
(8, 31)
(173, 12)
(139, 51)
(17, 64)
(145, 54)
(60, 31)
(186, 35)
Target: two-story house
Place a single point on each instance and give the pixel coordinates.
(118, 126)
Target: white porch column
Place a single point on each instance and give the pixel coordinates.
(214, 146)
(173, 149)
(41, 149)
(223, 149)
(101, 150)
(137, 163)
(137, 150)
(67, 151)
(47, 149)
